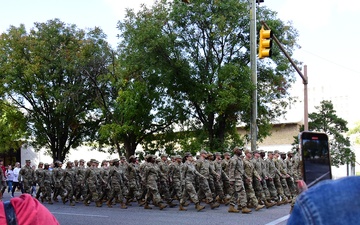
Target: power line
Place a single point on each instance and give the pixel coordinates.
(332, 62)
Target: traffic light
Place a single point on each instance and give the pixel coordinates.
(265, 43)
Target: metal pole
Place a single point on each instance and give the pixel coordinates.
(253, 74)
(306, 104)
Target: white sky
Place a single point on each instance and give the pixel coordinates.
(328, 35)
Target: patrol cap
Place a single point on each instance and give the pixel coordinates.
(217, 153)
(247, 151)
(282, 153)
(164, 155)
(270, 152)
(46, 164)
(122, 158)
(93, 160)
(41, 163)
(187, 153)
(177, 157)
(81, 160)
(115, 160)
(227, 153)
(276, 151)
(261, 151)
(210, 154)
(132, 157)
(28, 160)
(238, 148)
(203, 152)
(255, 151)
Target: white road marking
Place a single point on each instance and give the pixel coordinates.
(279, 220)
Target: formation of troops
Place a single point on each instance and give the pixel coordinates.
(241, 181)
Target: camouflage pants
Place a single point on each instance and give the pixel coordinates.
(259, 191)
(93, 193)
(250, 193)
(292, 187)
(272, 189)
(177, 189)
(204, 190)
(285, 187)
(27, 185)
(153, 192)
(134, 190)
(238, 194)
(189, 192)
(116, 192)
(279, 188)
(69, 190)
(164, 190)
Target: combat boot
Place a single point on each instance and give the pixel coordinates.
(123, 205)
(186, 204)
(199, 207)
(214, 205)
(170, 204)
(109, 203)
(72, 203)
(259, 207)
(128, 202)
(232, 209)
(269, 204)
(141, 202)
(182, 208)
(98, 203)
(146, 206)
(162, 206)
(245, 210)
(64, 200)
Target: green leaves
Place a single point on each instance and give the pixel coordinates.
(326, 120)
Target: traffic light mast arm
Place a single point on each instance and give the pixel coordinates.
(305, 81)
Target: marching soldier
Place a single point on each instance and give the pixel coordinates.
(27, 175)
(250, 174)
(237, 188)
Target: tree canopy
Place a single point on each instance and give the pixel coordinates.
(325, 120)
(48, 73)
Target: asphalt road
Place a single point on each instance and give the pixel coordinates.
(136, 215)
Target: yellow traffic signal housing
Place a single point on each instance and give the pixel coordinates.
(265, 43)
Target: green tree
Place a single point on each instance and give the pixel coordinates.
(48, 73)
(356, 131)
(325, 120)
(13, 130)
(201, 53)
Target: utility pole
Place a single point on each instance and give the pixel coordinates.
(253, 127)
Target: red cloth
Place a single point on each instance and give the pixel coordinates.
(29, 211)
(2, 214)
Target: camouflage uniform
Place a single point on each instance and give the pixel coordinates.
(281, 166)
(91, 179)
(27, 175)
(257, 184)
(189, 174)
(39, 179)
(236, 174)
(133, 181)
(48, 182)
(69, 180)
(151, 176)
(203, 167)
(164, 179)
(58, 175)
(80, 189)
(249, 174)
(290, 180)
(116, 184)
(175, 176)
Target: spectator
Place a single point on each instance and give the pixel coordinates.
(9, 177)
(328, 202)
(25, 210)
(16, 182)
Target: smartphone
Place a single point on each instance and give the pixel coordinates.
(315, 156)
